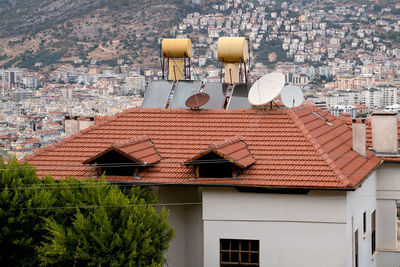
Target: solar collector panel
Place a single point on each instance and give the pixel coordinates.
(183, 90)
(157, 94)
(239, 98)
(217, 92)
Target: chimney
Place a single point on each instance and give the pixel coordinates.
(359, 137)
(72, 125)
(385, 132)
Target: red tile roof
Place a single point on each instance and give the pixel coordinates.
(140, 150)
(232, 149)
(302, 147)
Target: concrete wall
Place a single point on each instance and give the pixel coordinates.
(186, 249)
(363, 199)
(384, 132)
(388, 193)
(388, 186)
(386, 224)
(389, 259)
(294, 230)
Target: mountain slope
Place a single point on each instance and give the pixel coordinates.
(100, 29)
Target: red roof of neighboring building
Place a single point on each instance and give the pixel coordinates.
(140, 150)
(303, 147)
(232, 149)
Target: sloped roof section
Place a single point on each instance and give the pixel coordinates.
(140, 150)
(292, 148)
(333, 140)
(234, 150)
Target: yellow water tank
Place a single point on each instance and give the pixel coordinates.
(176, 48)
(233, 49)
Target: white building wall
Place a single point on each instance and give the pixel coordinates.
(388, 193)
(387, 238)
(388, 186)
(293, 229)
(363, 199)
(186, 249)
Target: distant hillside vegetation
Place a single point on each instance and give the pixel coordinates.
(82, 29)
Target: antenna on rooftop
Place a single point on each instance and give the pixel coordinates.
(266, 89)
(292, 96)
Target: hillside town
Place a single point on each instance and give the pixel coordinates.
(342, 57)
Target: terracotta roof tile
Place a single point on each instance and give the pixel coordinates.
(232, 149)
(291, 147)
(140, 150)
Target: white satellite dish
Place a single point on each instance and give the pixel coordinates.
(292, 96)
(266, 89)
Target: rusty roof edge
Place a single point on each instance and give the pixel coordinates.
(318, 148)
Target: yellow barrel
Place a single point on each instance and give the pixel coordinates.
(176, 47)
(233, 49)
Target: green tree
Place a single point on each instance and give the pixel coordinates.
(21, 223)
(75, 222)
(118, 229)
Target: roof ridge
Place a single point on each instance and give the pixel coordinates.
(324, 155)
(73, 137)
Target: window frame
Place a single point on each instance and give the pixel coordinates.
(365, 222)
(236, 252)
(356, 249)
(373, 232)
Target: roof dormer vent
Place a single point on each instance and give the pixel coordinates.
(222, 159)
(126, 158)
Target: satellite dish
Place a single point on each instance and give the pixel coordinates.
(292, 96)
(265, 89)
(197, 100)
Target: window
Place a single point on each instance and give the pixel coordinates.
(237, 252)
(373, 234)
(356, 248)
(365, 222)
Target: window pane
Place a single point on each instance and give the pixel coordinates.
(245, 245)
(234, 256)
(225, 244)
(244, 257)
(225, 256)
(254, 257)
(254, 245)
(235, 245)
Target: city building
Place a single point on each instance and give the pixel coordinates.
(250, 183)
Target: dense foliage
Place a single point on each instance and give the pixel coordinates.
(72, 222)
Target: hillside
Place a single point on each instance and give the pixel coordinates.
(49, 31)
